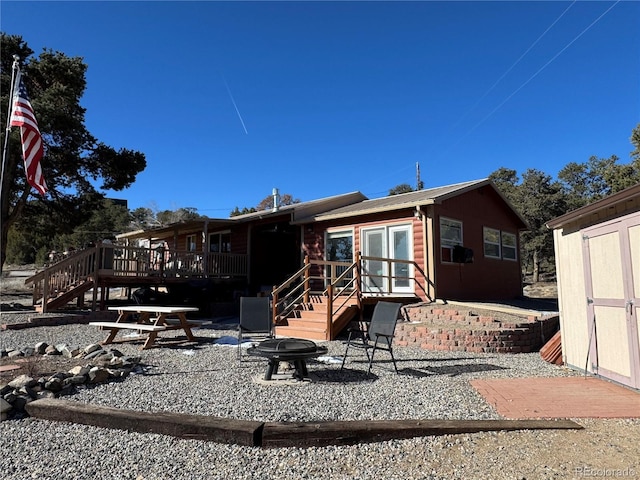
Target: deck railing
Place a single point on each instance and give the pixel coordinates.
(110, 260)
(63, 276)
(341, 282)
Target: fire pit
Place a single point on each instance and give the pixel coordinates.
(294, 350)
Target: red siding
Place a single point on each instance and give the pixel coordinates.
(485, 278)
(314, 242)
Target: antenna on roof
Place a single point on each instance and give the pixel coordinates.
(418, 181)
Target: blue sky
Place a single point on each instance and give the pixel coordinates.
(228, 100)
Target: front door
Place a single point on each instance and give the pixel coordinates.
(380, 245)
(611, 255)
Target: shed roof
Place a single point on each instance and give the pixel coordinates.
(623, 196)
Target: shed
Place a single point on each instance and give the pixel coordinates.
(597, 249)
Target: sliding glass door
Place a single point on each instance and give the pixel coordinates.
(383, 243)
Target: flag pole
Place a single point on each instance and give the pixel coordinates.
(15, 68)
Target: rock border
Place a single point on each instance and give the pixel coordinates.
(106, 365)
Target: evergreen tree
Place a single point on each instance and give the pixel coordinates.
(73, 162)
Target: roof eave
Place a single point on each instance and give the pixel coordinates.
(577, 214)
(368, 211)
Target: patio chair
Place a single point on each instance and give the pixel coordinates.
(255, 320)
(379, 334)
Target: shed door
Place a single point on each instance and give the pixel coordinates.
(612, 271)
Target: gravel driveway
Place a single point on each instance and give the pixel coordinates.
(207, 379)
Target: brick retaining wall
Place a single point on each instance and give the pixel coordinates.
(444, 328)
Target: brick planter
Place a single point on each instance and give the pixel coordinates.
(440, 327)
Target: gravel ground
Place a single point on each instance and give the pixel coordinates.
(206, 378)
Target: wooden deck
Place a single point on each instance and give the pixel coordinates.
(108, 266)
(190, 277)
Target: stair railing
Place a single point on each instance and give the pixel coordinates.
(296, 294)
(298, 288)
(335, 292)
(64, 275)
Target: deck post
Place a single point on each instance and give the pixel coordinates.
(96, 270)
(274, 304)
(358, 283)
(329, 312)
(307, 276)
(45, 293)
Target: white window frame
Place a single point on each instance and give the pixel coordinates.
(506, 248)
(449, 244)
(338, 233)
(191, 243)
(496, 242)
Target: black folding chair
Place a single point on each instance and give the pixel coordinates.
(255, 319)
(378, 336)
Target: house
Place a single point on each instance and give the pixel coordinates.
(265, 246)
(456, 242)
(597, 249)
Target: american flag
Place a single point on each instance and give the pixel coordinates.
(22, 116)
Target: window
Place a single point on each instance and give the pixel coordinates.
(491, 242)
(339, 248)
(191, 243)
(501, 245)
(220, 242)
(450, 236)
(509, 246)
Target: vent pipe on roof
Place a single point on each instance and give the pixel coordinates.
(276, 199)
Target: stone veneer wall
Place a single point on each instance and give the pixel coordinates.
(449, 328)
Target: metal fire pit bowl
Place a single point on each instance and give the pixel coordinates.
(292, 350)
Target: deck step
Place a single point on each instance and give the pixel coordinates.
(301, 332)
(306, 322)
(311, 315)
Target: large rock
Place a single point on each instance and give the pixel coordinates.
(51, 350)
(41, 348)
(98, 375)
(54, 384)
(4, 406)
(80, 370)
(22, 381)
(92, 348)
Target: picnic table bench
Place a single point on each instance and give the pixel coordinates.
(151, 319)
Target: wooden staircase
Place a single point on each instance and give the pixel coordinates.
(68, 280)
(310, 320)
(63, 298)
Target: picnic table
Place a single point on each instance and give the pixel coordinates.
(152, 319)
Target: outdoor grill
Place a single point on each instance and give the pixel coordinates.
(293, 350)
